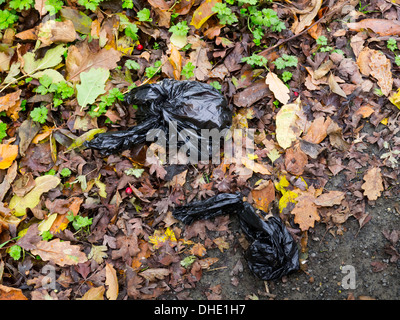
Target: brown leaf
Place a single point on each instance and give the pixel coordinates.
(199, 58)
(155, 273)
(203, 13)
(381, 71)
(330, 199)
(8, 293)
(221, 243)
(318, 130)
(176, 61)
(251, 94)
(373, 183)
(8, 179)
(334, 86)
(30, 239)
(95, 293)
(305, 210)
(263, 195)
(295, 160)
(61, 253)
(276, 85)
(382, 27)
(207, 262)
(81, 59)
(307, 18)
(10, 103)
(111, 282)
(198, 250)
(56, 32)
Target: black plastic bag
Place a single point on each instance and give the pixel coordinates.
(181, 104)
(272, 253)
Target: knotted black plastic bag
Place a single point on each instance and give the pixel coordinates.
(179, 105)
(272, 253)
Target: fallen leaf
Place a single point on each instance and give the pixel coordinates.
(330, 199)
(8, 153)
(203, 13)
(295, 160)
(198, 250)
(92, 85)
(32, 198)
(286, 130)
(276, 85)
(95, 293)
(263, 195)
(381, 70)
(60, 253)
(382, 27)
(8, 180)
(307, 18)
(317, 131)
(40, 7)
(8, 293)
(175, 59)
(199, 58)
(81, 59)
(373, 185)
(111, 282)
(305, 211)
(82, 23)
(52, 58)
(221, 243)
(153, 274)
(334, 86)
(255, 166)
(87, 136)
(56, 31)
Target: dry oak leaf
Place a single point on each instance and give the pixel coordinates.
(305, 210)
(61, 253)
(263, 195)
(276, 85)
(155, 273)
(198, 250)
(307, 18)
(373, 185)
(330, 199)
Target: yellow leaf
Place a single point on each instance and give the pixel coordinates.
(287, 197)
(102, 187)
(282, 185)
(385, 121)
(8, 153)
(46, 224)
(395, 98)
(159, 238)
(41, 136)
(203, 13)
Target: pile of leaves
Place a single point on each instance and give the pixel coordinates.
(316, 79)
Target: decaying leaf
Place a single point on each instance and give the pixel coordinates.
(286, 130)
(111, 282)
(263, 195)
(382, 27)
(9, 293)
(305, 211)
(60, 253)
(373, 185)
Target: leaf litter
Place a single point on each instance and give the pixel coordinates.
(70, 207)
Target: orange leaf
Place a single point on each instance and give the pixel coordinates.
(263, 195)
(61, 222)
(8, 293)
(176, 61)
(203, 13)
(318, 130)
(295, 160)
(305, 210)
(8, 153)
(10, 103)
(198, 250)
(373, 183)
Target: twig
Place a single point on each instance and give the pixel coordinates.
(302, 32)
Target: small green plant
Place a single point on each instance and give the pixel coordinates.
(144, 15)
(132, 65)
(61, 90)
(150, 72)
(224, 14)
(392, 44)
(255, 60)
(79, 222)
(188, 70)
(3, 128)
(286, 76)
(65, 173)
(106, 101)
(21, 4)
(39, 114)
(127, 4)
(15, 252)
(90, 4)
(53, 6)
(131, 31)
(47, 235)
(216, 85)
(51, 172)
(7, 18)
(180, 29)
(322, 43)
(286, 61)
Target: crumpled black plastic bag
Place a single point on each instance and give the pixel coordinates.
(272, 253)
(189, 104)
